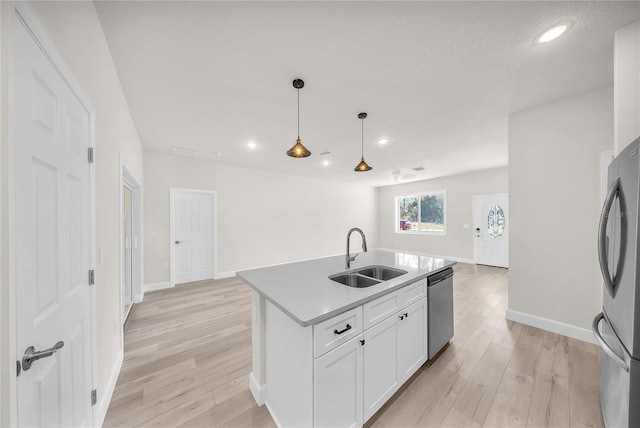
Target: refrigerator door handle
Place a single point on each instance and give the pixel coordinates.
(604, 345)
(602, 234)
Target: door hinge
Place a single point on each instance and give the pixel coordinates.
(94, 397)
(361, 342)
(92, 277)
(18, 368)
(90, 154)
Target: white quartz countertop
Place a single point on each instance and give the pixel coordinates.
(304, 291)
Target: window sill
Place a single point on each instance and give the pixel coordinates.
(417, 232)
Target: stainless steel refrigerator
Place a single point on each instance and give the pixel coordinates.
(617, 327)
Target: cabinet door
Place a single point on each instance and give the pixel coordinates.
(412, 339)
(380, 365)
(338, 386)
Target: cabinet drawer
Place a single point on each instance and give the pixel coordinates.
(337, 330)
(381, 308)
(413, 292)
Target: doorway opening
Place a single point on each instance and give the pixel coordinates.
(130, 241)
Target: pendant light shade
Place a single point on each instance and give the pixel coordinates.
(298, 150)
(362, 166)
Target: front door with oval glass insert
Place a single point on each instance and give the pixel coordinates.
(491, 229)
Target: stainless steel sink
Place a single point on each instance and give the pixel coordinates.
(354, 280)
(383, 273)
(367, 276)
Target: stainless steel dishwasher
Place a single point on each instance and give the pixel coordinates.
(440, 300)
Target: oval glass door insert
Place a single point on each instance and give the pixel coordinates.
(495, 221)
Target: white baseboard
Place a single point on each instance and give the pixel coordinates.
(579, 333)
(259, 392)
(105, 398)
(156, 286)
(453, 259)
(137, 298)
(222, 275)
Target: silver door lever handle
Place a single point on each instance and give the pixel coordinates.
(178, 242)
(31, 355)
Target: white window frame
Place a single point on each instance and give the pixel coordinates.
(396, 207)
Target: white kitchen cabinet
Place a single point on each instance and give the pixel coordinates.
(338, 386)
(380, 364)
(339, 372)
(381, 308)
(335, 331)
(412, 339)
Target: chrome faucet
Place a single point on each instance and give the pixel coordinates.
(348, 257)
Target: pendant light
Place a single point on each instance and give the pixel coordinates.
(298, 150)
(362, 166)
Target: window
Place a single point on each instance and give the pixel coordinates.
(422, 213)
(495, 221)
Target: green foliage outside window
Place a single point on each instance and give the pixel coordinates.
(421, 213)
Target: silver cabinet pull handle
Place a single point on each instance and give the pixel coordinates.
(31, 355)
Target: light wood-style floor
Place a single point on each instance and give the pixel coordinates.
(188, 357)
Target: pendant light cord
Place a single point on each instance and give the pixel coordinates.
(298, 113)
(362, 140)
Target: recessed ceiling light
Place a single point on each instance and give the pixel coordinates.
(326, 162)
(551, 34)
(383, 141)
(252, 144)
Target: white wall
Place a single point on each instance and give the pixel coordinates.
(264, 217)
(554, 183)
(458, 242)
(626, 86)
(76, 32)
(268, 217)
(161, 172)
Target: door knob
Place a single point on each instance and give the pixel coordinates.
(31, 355)
(178, 242)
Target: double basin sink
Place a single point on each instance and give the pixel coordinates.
(367, 276)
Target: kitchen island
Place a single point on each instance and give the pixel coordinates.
(325, 354)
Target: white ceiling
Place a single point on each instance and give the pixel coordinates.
(437, 79)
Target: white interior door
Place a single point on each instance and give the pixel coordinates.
(50, 134)
(193, 236)
(127, 253)
(491, 229)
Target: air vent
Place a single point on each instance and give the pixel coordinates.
(181, 151)
(418, 168)
(325, 153)
(396, 172)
